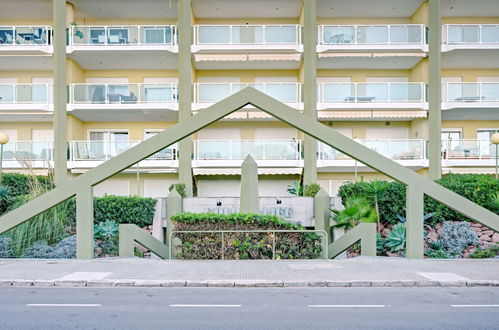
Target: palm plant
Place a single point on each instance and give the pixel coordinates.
(374, 192)
(397, 238)
(357, 210)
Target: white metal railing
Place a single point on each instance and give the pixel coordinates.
(470, 34)
(102, 150)
(247, 34)
(396, 149)
(39, 35)
(28, 150)
(26, 93)
(468, 149)
(239, 149)
(123, 93)
(122, 35)
(214, 92)
(396, 92)
(395, 34)
(470, 92)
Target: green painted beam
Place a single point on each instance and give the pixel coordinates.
(220, 110)
(85, 223)
(60, 92)
(129, 234)
(249, 201)
(435, 90)
(363, 232)
(414, 223)
(310, 86)
(173, 206)
(185, 90)
(322, 213)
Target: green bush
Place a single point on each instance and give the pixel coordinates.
(480, 189)
(22, 184)
(180, 187)
(311, 190)
(124, 209)
(357, 210)
(241, 245)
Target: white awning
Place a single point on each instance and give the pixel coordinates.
(246, 57)
(468, 170)
(342, 114)
(237, 171)
(384, 54)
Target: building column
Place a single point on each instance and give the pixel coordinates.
(60, 98)
(435, 90)
(310, 86)
(184, 37)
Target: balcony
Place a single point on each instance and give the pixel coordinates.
(281, 38)
(371, 37)
(25, 39)
(15, 97)
(479, 95)
(88, 154)
(231, 153)
(206, 94)
(470, 36)
(372, 96)
(468, 152)
(22, 154)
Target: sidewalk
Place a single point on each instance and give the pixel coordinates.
(356, 272)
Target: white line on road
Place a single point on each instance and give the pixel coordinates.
(206, 305)
(473, 306)
(346, 306)
(63, 305)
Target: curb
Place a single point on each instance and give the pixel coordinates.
(242, 283)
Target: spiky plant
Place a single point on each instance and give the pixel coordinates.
(357, 210)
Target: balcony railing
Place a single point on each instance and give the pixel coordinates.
(25, 35)
(468, 149)
(26, 93)
(28, 151)
(123, 93)
(239, 149)
(372, 34)
(371, 92)
(393, 149)
(247, 34)
(122, 35)
(455, 34)
(471, 92)
(214, 92)
(105, 150)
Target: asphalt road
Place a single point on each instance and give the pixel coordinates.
(250, 308)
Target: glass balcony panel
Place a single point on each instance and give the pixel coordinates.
(214, 150)
(462, 149)
(338, 92)
(373, 92)
(31, 35)
(7, 36)
(213, 34)
(405, 149)
(247, 35)
(28, 151)
(159, 93)
(286, 93)
(7, 93)
(463, 34)
(490, 91)
(281, 34)
(372, 34)
(157, 34)
(96, 35)
(213, 92)
(119, 36)
(339, 34)
(99, 150)
(490, 33)
(403, 34)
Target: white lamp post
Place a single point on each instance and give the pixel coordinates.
(4, 139)
(495, 140)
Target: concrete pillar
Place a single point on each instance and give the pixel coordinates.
(173, 206)
(60, 101)
(249, 186)
(415, 223)
(185, 90)
(435, 90)
(85, 223)
(322, 214)
(310, 86)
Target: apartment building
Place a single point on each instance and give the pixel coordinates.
(363, 67)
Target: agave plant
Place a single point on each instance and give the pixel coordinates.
(107, 230)
(357, 210)
(395, 241)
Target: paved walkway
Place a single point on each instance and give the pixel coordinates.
(362, 271)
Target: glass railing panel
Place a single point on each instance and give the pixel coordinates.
(24, 35)
(246, 34)
(28, 151)
(208, 34)
(99, 150)
(371, 92)
(463, 34)
(213, 150)
(157, 35)
(372, 34)
(393, 149)
(213, 92)
(169, 153)
(338, 92)
(239, 149)
(489, 91)
(122, 35)
(340, 34)
(26, 93)
(281, 34)
(159, 93)
(490, 33)
(468, 149)
(286, 93)
(123, 93)
(404, 34)
(7, 93)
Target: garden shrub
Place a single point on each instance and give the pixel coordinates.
(6, 250)
(21, 184)
(456, 237)
(478, 188)
(65, 249)
(179, 187)
(241, 245)
(311, 190)
(124, 209)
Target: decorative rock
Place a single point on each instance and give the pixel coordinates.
(392, 254)
(488, 232)
(476, 229)
(485, 238)
(474, 224)
(432, 236)
(495, 238)
(385, 232)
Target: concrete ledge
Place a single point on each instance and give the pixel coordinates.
(244, 283)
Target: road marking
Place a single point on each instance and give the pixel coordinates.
(206, 305)
(346, 306)
(443, 276)
(473, 306)
(84, 276)
(63, 305)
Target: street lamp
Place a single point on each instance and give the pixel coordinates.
(4, 139)
(495, 140)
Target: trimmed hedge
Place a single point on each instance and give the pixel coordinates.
(478, 188)
(19, 184)
(124, 209)
(241, 245)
